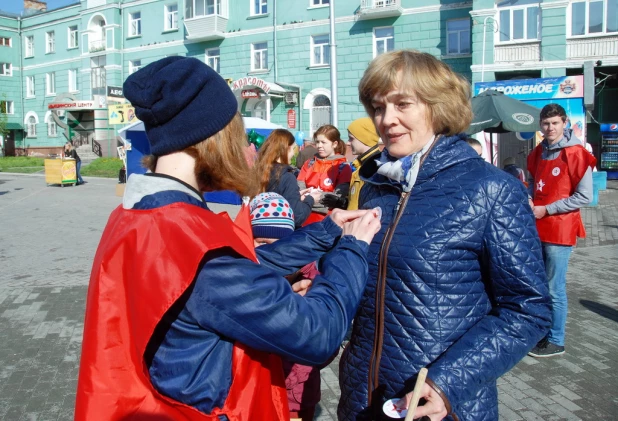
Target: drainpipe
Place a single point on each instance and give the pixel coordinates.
(333, 68)
(21, 76)
(121, 42)
(297, 87)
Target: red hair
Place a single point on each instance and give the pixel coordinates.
(331, 133)
(275, 149)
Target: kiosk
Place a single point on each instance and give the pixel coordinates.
(60, 171)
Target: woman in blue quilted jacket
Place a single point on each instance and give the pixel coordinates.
(456, 280)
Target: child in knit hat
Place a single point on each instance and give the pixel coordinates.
(272, 218)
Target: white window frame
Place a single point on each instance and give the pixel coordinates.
(322, 48)
(170, 17)
(263, 52)
(72, 37)
(6, 42)
(215, 5)
(383, 40)
(212, 59)
(73, 80)
(318, 3)
(29, 46)
(10, 107)
(459, 37)
(52, 127)
(525, 13)
(6, 69)
(50, 83)
(31, 126)
(259, 7)
(50, 42)
(135, 65)
(135, 24)
(586, 33)
(30, 87)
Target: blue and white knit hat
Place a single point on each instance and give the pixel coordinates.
(271, 216)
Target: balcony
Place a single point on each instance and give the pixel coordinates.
(592, 47)
(206, 28)
(377, 9)
(522, 52)
(96, 46)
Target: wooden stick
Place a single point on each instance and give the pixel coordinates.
(416, 395)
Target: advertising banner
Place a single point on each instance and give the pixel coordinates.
(121, 114)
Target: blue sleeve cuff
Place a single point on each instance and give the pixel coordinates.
(331, 227)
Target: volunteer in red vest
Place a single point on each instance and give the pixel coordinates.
(182, 323)
(327, 171)
(561, 184)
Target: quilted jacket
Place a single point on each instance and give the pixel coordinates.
(465, 292)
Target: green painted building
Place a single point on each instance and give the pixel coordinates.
(275, 54)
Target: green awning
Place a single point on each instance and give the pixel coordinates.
(14, 126)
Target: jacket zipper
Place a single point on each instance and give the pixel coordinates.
(376, 353)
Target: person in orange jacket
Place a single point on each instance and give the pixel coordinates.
(328, 171)
(179, 314)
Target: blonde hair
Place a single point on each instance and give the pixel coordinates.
(446, 94)
(219, 160)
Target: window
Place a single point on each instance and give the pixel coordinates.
(320, 50)
(458, 36)
(52, 127)
(134, 66)
(6, 69)
(30, 87)
(6, 107)
(259, 7)
(73, 37)
(194, 8)
(135, 24)
(171, 17)
(30, 46)
(50, 42)
(50, 79)
(212, 59)
(520, 22)
(31, 124)
(319, 2)
(384, 40)
(259, 56)
(72, 80)
(594, 17)
(5, 42)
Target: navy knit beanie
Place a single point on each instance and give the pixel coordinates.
(181, 101)
(271, 216)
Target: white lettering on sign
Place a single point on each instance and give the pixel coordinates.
(76, 104)
(250, 80)
(542, 88)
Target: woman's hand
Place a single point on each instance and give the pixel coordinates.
(363, 227)
(301, 287)
(434, 407)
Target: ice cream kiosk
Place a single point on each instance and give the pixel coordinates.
(60, 171)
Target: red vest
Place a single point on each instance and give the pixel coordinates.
(557, 179)
(145, 261)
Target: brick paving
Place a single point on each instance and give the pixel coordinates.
(49, 236)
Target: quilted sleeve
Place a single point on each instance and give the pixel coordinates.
(515, 281)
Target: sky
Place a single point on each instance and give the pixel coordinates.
(17, 6)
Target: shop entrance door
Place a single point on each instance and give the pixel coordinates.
(320, 113)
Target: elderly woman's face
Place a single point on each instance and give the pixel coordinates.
(401, 120)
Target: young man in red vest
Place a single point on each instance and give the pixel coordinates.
(561, 184)
(182, 323)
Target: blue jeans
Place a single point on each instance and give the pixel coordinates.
(556, 258)
(78, 166)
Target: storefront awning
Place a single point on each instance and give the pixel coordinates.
(14, 126)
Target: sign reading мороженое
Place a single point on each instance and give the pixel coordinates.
(543, 88)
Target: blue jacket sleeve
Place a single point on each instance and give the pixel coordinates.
(304, 246)
(251, 304)
(517, 286)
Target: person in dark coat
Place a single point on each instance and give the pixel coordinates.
(456, 279)
(276, 175)
(70, 152)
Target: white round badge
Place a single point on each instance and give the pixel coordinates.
(390, 409)
(328, 182)
(555, 171)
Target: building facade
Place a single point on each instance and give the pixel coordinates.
(57, 65)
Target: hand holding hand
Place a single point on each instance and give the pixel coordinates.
(539, 211)
(434, 407)
(365, 227)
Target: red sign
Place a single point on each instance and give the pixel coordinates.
(291, 119)
(249, 93)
